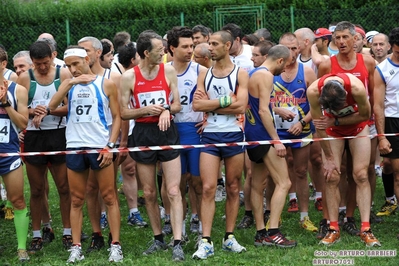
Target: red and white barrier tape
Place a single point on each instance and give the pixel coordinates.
(181, 147)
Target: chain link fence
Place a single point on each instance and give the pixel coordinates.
(382, 19)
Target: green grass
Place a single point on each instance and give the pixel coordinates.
(134, 241)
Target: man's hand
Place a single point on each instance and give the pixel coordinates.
(384, 146)
(280, 150)
(200, 127)
(284, 113)
(164, 120)
(295, 129)
(154, 110)
(84, 78)
(200, 95)
(105, 157)
(324, 122)
(329, 168)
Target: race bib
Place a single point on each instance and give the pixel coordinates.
(344, 111)
(84, 110)
(4, 130)
(281, 123)
(151, 98)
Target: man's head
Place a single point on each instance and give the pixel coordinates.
(344, 37)
(237, 34)
(360, 39)
(305, 37)
(46, 35)
(333, 96)
(77, 60)
(278, 55)
(51, 43)
(107, 54)
(180, 43)
(263, 34)
(3, 59)
(220, 44)
(93, 48)
(380, 46)
(369, 37)
(128, 56)
(260, 51)
(150, 47)
(120, 39)
(200, 34)
(394, 42)
(291, 42)
(22, 62)
(42, 57)
(202, 55)
(322, 38)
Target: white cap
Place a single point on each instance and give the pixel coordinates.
(370, 35)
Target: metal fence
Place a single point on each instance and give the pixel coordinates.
(382, 19)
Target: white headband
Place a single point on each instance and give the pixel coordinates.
(75, 52)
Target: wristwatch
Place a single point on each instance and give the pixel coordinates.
(7, 104)
(303, 123)
(166, 107)
(111, 145)
(336, 123)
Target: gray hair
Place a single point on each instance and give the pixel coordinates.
(50, 42)
(94, 42)
(24, 54)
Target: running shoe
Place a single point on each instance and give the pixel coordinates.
(318, 204)
(167, 228)
(369, 239)
(35, 245)
(293, 206)
(231, 244)
(48, 235)
(23, 255)
(103, 221)
(177, 253)
(220, 194)
(260, 239)
(204, 250)
(323, 229)
(97, 242)
(278, 240)
(350, 227)
(135, 219)
(374, 219)
(76, 254)
(388, 208)
(332, 236)
(307, 224)
(341, 217)
(115, 253)
(246, 222)
(194, 224)
(67, 241)
(155, 246)
(8, 213)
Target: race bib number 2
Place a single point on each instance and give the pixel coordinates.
(4, 130)
(85, 110)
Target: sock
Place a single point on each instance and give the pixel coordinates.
(390, 199)
(273, 231)
(193, 216)
(21, 222)
(387, 181)
(104, 213)
(207, 238)
(115, 243)
(292, 196)
(267, 212)
(67, 232)
(200, 227)
(303, 215)
(334, 225)
(159, 238)
(167, 218)
(77, 244)
(345, 219)
(176, 242)
(48, 225)
(226, 235)
(262, 231)
(340, 209)
(318, 195)
(133, 210)
(37, 233)
(220, 182)
(183, 228)
(365, 226)
(249, 213)
(98, 233)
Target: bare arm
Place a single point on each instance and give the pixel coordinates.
(324, 68)
(112, 93)
(20, 117)
(201, 102)
(317, 58)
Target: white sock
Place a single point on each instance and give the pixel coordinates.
(391, 199)
(345, 219)
(48, 225)
(292, 196)
(193, 216)
(183, 229)
(200, 227)
(342, 209)
(318, 195)
(37, 233)
(132, 210)
(303, 215)
(104, 213)
(67, 231)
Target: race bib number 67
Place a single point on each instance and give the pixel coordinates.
(84, 110)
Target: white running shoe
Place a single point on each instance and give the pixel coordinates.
(76, 254)
(115, 253)
(232, 245)
(205, 250)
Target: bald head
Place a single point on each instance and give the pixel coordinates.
(46, 36)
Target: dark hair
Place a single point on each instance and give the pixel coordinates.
(251, 39)
(394, 37)
(144, 42)
(120, 39)
(126, 54)
(265, 33)
(333, 95)
(200, 28)
(106, 49)
(175, 33)
(288, 35)
(264, 46)
(39, 50)
(278, 51)
(3, 54)
(234, 29)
